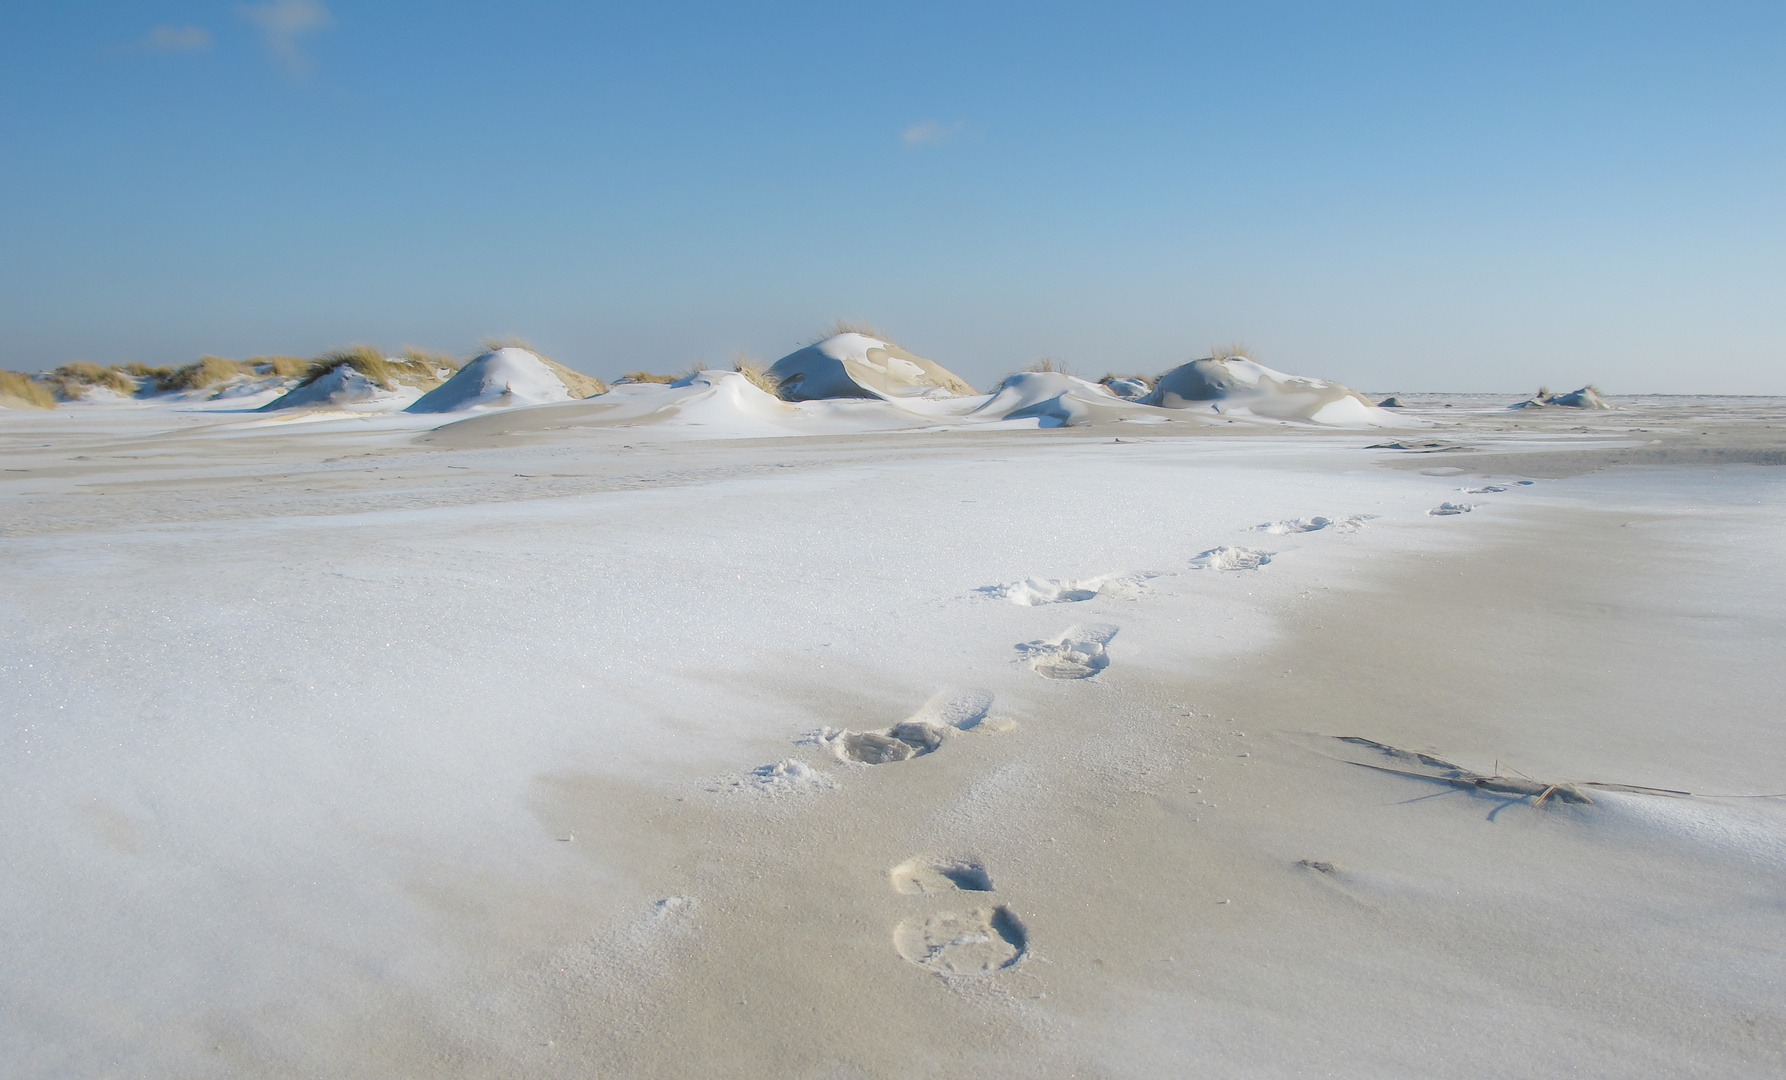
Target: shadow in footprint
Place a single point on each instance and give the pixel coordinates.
(943, 715)
(922, 877)
(1077, 653)
(979, 942)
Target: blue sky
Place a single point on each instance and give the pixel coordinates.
(1400, 196)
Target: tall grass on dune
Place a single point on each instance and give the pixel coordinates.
(1233, 350)
(284, 367)
(72, 381)
(648, 377)
(18, 391)
(388, 372)
(757, 374)
(207, 371)
(849, 326)
(415, 354)
(1049, 363)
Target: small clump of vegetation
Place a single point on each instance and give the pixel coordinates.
(1233, 350)
(18, 391)
(1049, 363)
(648, 377)
(757, 375)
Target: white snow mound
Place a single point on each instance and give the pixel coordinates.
(1055, 399)
(858, 366)
(1238, 385)
(345, 387)
(499, 379)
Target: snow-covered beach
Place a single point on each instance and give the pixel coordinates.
(685, 730)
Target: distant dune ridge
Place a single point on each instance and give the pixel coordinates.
(872, 383)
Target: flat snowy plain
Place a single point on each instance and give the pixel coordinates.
(349, 747)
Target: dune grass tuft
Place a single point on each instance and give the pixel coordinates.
(284, 367)
(71, 381)
(846, 326)
(648, 377)
(757, 374)
(1233, 350)
(19, 391)
(388, 372)
(1049, 363)
(440, 361)
(207, 371)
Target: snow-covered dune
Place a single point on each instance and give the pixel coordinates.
(1057, 399)
(854, 365)
(1237, 385)
(507, 377)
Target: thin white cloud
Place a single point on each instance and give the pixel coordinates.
(176, 39)
(930, 132)
(283, 23)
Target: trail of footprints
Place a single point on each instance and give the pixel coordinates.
(988, 938)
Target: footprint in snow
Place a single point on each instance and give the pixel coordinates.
(1231, 558)
(1033, 592)
(1294, 526)
(1488, 489)
(942, 717)
(1314, 524)
(1077, 653)
(925, 877)
(1451, 508)
(977, 942)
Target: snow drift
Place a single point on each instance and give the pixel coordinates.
(852, 365)
(504, 378)
(1238, 385)
(1055, 399)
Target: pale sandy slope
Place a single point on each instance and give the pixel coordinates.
(346, 753)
